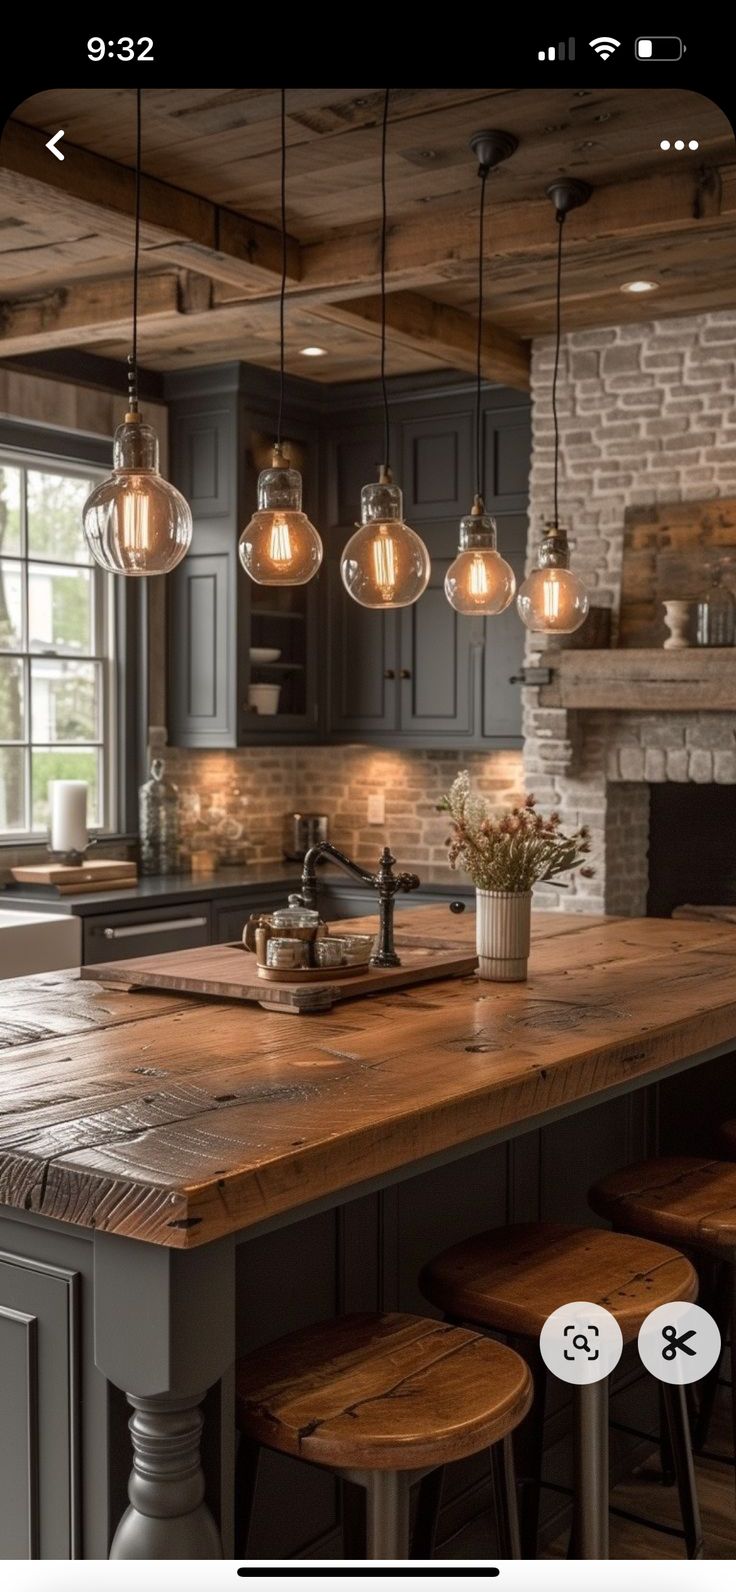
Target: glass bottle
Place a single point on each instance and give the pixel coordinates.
(715, 621)
(159, 822)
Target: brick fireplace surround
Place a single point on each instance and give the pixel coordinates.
(648, 415)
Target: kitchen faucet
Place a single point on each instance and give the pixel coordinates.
(385, 881)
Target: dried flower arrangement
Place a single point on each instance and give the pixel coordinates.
(511, 851)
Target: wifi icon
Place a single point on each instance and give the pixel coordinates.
(604, 47)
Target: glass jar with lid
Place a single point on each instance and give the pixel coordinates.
(716, 612)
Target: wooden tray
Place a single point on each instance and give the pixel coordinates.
(229, 972)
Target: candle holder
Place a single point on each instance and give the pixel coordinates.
(71, 859)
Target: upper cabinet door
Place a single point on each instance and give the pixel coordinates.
(362, 664)
(436, 471)
(202, 695)
(507, 444)
(203, 451)
(439, 652)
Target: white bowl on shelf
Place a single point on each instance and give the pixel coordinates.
(264, 654)
(264, 699)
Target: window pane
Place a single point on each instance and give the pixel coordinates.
(11, 606)
(59, 609)
(64, 763)
(12, 787)
(64, 700)
(12, 706)
(55, 504)
(9, 509)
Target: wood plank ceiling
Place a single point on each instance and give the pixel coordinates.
(211, 248)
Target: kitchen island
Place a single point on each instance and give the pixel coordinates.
(149, 1140)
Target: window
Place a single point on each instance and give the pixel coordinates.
(57, 687)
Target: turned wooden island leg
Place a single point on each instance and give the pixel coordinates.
(164, 1333)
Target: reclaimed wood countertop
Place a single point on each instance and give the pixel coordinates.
(178, 1120)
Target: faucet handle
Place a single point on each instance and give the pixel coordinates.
(409, 881)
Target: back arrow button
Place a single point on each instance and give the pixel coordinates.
(53, 142)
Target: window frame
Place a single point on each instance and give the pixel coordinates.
(119, 641)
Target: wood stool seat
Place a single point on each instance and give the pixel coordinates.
(391, 1392)
(512, 1278)
(686, 1199)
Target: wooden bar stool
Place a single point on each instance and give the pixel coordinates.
(382, 1401)
(510, 1280)
(690, 1201)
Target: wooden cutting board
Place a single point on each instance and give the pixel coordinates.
(229, 973)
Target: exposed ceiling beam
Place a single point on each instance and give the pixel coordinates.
(179, 227)
(96, 312)
(440, 330)
(443, 244)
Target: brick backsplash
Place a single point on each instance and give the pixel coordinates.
(234, 802)
(647, 416)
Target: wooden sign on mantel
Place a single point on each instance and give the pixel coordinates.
(229, 972)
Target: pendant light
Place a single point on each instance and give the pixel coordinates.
(135, 522)
(384, 564)
(552, 599)
(280, 546)
(479, 581)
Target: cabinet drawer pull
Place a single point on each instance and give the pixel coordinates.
(389, 674)
(153, 928)
(405, 674)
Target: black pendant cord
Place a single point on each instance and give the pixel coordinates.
(133, 357)
(479, 471)
(282, 295)
(384, 230)
(558, 335)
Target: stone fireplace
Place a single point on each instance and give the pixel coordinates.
(648, 418)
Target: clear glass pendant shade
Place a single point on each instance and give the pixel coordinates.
(479, 580)
(552, 599)
(384, 564)
(135, 522)
(280, 546)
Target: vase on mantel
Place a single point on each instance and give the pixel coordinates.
(503, 934)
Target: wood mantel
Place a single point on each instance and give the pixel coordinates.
(178, 1121)
(644, 679)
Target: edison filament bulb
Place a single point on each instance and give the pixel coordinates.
(280, 546)
(479, 580)
(552, 599)
(135, 522)
(385, 564)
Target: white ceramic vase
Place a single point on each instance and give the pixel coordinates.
(503, 934)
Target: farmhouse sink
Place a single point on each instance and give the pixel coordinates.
(38, 942)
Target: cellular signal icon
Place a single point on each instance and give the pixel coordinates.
(605, 47)
(558, 52)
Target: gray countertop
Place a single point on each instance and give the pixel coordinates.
(180, 889)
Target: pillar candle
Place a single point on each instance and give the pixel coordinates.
(68, 814)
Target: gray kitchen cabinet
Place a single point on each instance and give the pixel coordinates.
(39, 1346)
(109, 937)
(423, 676)
(221, 437)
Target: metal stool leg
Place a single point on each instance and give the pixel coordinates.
(387, 1514)
(529, 1449)
(678, 1427)
(504, 1497)
(427, 1514)
(720, 1307)
(246, 1476)
(590, 1531)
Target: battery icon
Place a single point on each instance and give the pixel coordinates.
(665, 48)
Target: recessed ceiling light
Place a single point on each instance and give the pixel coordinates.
(312, 351)
(641, 286)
